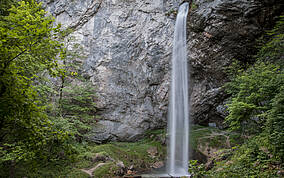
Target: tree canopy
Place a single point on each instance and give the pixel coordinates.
(29, 45)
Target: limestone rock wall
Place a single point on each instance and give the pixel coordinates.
(128, 44)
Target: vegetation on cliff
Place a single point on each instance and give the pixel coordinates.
(256, 107)
(256, 111)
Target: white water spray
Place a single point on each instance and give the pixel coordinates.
(178, 118)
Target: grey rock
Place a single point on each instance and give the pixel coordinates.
(99, 158)
(222, 110)
(120, 164)
(219, 32)
(212, 125)
(128, 45)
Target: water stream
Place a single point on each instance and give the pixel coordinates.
(178, 118)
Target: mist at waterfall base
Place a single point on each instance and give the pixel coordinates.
(178, 118)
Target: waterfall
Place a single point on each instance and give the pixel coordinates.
(178, 118)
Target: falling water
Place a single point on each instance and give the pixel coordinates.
(178, 123)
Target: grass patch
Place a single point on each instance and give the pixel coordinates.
(132, 153)
(107, 170)
(57, 169)
(219, 141)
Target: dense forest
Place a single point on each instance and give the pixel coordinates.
(48, 107)
(42, 117)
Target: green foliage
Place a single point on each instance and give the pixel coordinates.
(197, 170)
(254, 90)
(107, 170)
(256, 110)
(60, 168)
(213, 138)
(4, 6)
(252, 159)
(70, 98)
(25, 37)
(28, 46)
(274, 126)
(194, 5)
(77, 97)
(79, 100)
(171, 12)
(252, 93)
(79, 108)
(272, 50)
(132, 153)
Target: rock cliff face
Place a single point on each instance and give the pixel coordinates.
(129, 45)
(221, 31)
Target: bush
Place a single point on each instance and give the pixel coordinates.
(255, 89)
(256, 109)
(252, 93)
(78, 107)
